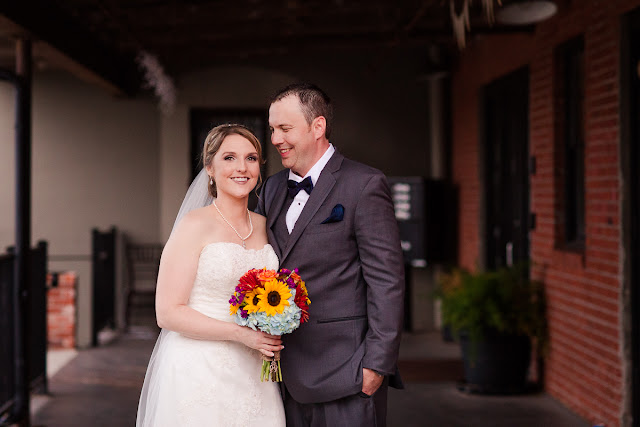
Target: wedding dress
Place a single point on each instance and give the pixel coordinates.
(193, 382)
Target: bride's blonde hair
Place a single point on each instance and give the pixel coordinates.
(214, 140)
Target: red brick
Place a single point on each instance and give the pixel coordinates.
(61, 309)
(584, 369)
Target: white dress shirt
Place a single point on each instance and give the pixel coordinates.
(301, 198)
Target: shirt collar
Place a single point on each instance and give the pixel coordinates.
(316, 169)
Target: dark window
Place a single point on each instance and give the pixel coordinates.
(570, 66)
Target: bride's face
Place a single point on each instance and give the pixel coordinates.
(235, 167)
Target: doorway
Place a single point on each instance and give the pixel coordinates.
(202, 120)
(630, 112)
(506, 143)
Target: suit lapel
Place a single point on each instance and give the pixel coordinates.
(275, 209)
(323, 187)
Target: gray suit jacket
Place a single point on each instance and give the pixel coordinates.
(354, 272)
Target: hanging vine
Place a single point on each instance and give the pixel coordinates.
(460, 22)
(155, 78)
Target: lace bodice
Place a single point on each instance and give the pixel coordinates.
(220, 266)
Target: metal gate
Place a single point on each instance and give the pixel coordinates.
(7, 378)
(36, 333)
(104, 276)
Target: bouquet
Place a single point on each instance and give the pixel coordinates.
(275, 302)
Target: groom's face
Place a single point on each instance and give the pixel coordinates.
(292, 136)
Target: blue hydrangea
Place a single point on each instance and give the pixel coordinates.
(279, 324)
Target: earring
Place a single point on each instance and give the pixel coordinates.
(210, 180)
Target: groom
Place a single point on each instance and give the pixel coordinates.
(333, 219)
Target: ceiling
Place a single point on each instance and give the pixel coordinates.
(100, 39)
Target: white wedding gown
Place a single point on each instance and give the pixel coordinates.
(193, 382)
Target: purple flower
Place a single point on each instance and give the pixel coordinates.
(291, 283)
(244, 314)
(240, 299)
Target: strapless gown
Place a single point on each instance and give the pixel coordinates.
(211, 383)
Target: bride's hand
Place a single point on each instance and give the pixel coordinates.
(263, 342)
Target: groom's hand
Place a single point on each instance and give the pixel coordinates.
(371, 381)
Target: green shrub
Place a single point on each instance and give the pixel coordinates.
(503, 300)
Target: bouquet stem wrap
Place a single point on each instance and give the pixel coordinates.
(271, 368)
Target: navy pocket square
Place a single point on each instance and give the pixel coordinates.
(337, 214)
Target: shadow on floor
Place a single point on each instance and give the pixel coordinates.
(431, 369)
(101, 386)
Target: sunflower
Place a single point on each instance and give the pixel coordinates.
(233, 309)
(274, 297)
(252, 298)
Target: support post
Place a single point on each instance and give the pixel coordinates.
(21, 413)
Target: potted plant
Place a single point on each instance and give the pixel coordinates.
(495, 315)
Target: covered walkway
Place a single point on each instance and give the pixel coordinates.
(100, 387)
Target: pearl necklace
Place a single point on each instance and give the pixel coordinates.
(233, 228)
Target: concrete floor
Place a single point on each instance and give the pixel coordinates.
(441, 404)
(101, 386)
(431, 368)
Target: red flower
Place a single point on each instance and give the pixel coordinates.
(249, 281)
(302, 301)
(304, 316)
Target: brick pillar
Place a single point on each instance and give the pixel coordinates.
(61, 311)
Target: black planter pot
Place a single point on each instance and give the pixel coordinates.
(447, 334)
(498, 364)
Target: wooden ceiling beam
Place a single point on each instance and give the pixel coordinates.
(168, 43)
(46, 22)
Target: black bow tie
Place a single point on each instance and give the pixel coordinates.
(294, 187)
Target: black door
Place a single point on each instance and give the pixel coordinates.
(633, 77)
(506, 142)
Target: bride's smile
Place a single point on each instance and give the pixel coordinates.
(240, 180)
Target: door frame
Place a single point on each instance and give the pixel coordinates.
(630, 208)
(484, 153)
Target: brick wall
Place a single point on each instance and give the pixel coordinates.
(61, 311)
(584, 367)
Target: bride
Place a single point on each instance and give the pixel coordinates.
(205, 369)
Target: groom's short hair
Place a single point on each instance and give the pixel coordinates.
(313, 102)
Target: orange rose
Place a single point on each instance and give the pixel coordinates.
(266, 275)
(295, 277)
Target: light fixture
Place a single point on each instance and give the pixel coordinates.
(526, 12)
